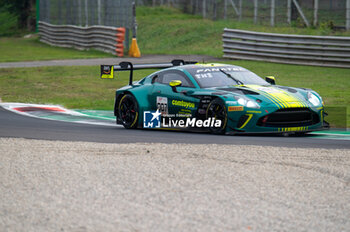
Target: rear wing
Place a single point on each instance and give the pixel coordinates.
(107, 71)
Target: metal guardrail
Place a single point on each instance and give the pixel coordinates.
(329, 51)
(101, 38)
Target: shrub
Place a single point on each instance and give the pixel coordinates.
(8, 22)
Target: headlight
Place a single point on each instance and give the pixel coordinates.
(248, 103)
(313, 99)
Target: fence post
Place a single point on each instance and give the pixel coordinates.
(272, 13)
(99, 12)
(68, 13)
(48, 11)
(240, 10)
(79, 13)
(204, 10)
(234, 7)
(255, 11)
(347, 14)
(289, 12)
(315, 13)
(86, 14)
(214, 10)
(37, 17)
(301, 13)
(225, 9)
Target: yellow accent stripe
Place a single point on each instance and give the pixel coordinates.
(271, 98)
(246, 122)
(281, 97)
(296, 99)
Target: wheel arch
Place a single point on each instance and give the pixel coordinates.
(141, 97)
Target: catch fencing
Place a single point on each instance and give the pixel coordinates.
(85, 24)
(327, 14)
(101, 38)
(327, 51)
(114, 13)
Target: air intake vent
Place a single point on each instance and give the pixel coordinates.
(290, 117)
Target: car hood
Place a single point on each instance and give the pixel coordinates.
(283, 97)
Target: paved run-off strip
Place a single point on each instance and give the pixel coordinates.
(107, 118)
(84, 186)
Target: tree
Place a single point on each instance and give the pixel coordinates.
(24, 9)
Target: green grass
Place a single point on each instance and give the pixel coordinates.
(168, 31)
(20, 49)
(161, 30)
(81, 87)
(72, 87)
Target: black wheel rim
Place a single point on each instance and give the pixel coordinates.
(218, 112)
(127, 111)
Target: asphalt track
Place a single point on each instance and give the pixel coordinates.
(108, 61)
(13, 125)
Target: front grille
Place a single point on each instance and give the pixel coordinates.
(290, 117)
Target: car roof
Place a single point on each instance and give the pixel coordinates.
(208, 65)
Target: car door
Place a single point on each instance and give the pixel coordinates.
(170, 102)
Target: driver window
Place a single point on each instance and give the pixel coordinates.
(167, 77)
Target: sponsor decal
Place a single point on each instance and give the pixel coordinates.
(291, 129)
(204, 75)
(235, 108)
(107, 72)
(231, 102)
(162, 105)
(226, 69)
(254, 111)
(184, 113)
(183, 104)
(151, 119)
(269, 90)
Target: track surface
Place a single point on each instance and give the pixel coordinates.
(17, 126)
(110, 61)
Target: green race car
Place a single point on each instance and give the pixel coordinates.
(219, 98)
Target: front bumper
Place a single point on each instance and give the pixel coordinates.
(274, 120)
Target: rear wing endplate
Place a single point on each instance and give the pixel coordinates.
(107, 71)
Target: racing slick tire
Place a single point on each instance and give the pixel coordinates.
(128, 111)
(217, 109)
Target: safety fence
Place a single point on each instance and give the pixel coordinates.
(113, 13)
(327, 14)
(103, 38)
(330, 51)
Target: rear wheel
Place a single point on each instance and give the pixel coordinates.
(217, 110)
(128, 111)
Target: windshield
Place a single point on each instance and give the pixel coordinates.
(213, 77)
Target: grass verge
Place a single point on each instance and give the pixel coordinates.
(161, 30)
(164, 30)
(81, 87)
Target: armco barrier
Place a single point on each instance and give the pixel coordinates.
(330, 51)
(106, 39)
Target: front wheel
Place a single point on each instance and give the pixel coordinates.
(128, 111)
(217, 110)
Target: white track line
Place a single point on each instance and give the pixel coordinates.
(11, 107)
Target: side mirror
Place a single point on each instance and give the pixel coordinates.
(175, 83)
(270, 79)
